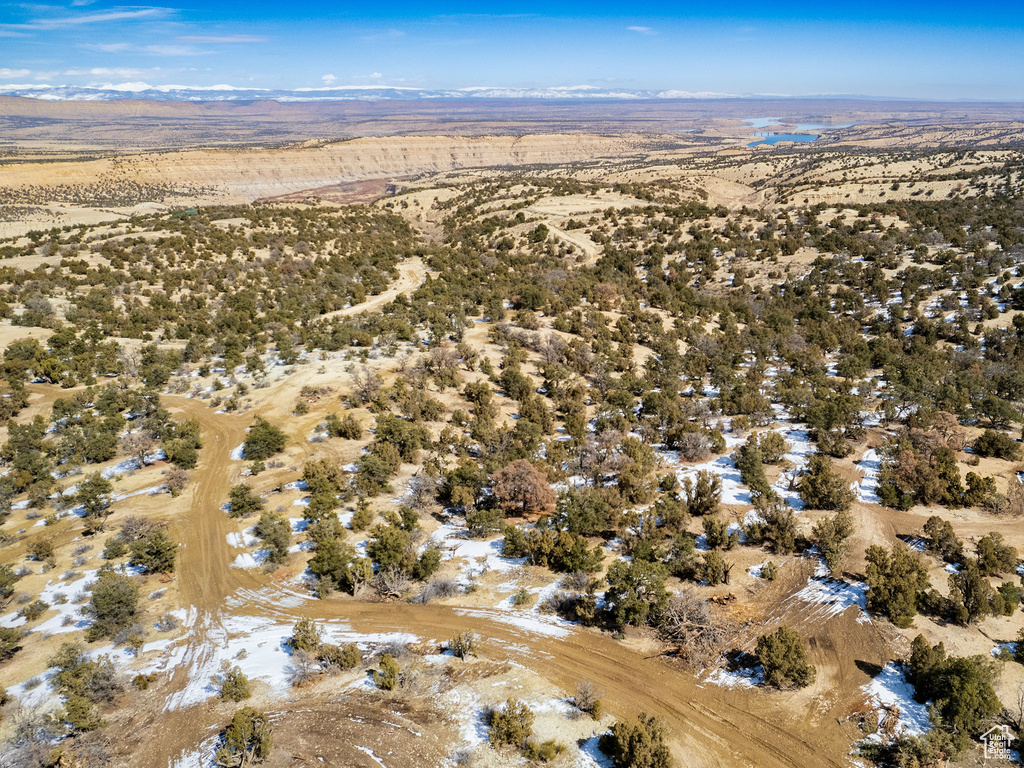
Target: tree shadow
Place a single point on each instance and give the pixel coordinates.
(868, 668)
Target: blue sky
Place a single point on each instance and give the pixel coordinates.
(914, 49)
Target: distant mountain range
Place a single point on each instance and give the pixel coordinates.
(139, 90)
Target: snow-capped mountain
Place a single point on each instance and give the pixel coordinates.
(141, 90)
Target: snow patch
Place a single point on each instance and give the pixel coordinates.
(867, 487)
(747, 677)
(526, 621)
(832, 595)
(890, 689)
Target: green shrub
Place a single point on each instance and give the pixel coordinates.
(895, 580)
(361, 518)
(781, 655)
(263, 440)
(341, 657)
(998, 444)
(143, 681)
(347, 428)
(638, 743)
(10, 642)
(511, 724)
(155, 553)
(830, 535)
(306, 635)
(821, 487)
(521, 598)
(34, 610)
(114, 605)
(114, 548)
(463, 645)
(231, 683)
(243, 501)
(246, 740)
(545, 751)
(386, 678)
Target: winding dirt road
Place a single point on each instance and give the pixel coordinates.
(710, 726)
(411, 274)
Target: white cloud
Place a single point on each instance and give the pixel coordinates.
(171, 50)
(108, 47)
(151, 50)
(106, 72)
(6, 73)
(376, 76)
(222, 39)
(116, 14)
(329, 79)
(641, 30)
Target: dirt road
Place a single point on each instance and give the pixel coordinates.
(584, 243)
(710, 726)
(411, 274)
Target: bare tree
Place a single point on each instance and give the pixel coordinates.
(388, 341)
(422, 491)
(693, 446)
(587, 699)
(1013, 711)
(522, 489)
(442, 363)
(303, 668)
(134, 528)
(366, 383)
(690, 625)
(130, 359)
(391, 581)
(33, 737)
(177, 479)
(553, 350)
(138, 445)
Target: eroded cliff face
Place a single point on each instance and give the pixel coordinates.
(244, 175)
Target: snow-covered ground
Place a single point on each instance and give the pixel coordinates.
(755, 570)
(243, 540)
(69, 617)
(800, 449)
(129, 465)
(749, 677)
(891, 689)
(590, 756)
(867, 487)
(258, 646)
(832, 596)
(529, 622)
(479, 555)
(255, 559)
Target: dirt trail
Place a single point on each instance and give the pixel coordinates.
(205, 575)
(710, 726)
(411, 274)
(582, 242)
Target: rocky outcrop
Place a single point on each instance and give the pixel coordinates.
(244, 175)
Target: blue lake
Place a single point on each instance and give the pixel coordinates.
(775, 138)
(762, 122)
